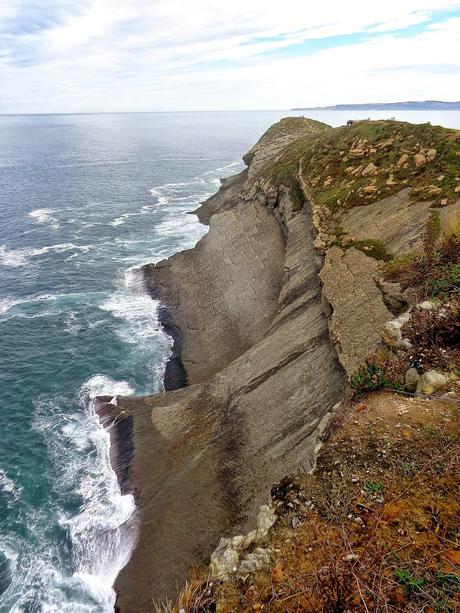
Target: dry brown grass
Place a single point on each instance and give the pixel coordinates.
(450, 227)
(195, 597)
(383, 533)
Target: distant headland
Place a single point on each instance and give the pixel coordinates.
(425, 105)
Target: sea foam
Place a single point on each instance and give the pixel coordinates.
(20, 257)
(103, 532)
(43, 216)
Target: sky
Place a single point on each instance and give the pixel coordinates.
(179, 55)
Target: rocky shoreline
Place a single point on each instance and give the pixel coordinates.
(276, 307)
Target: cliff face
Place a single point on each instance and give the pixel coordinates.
(272, 310)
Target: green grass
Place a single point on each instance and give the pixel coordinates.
(372, 487)
(326, 153)
(287, 176)
(373, 248)
(410, 583)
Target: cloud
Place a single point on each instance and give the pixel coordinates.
(103, 55)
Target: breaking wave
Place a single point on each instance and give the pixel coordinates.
(43, 216)
(20, 257)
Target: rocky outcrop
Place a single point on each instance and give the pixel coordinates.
(212, 450)
(358, 313)
(255, 343)
(397, 221)
(226, 198)
(271, 313)
(223, 293)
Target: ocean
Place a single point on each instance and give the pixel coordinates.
(85, 200)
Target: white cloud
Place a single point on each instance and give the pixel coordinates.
(166, 55)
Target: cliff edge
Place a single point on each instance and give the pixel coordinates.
(275, 313)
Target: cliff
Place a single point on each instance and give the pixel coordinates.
(274, 313)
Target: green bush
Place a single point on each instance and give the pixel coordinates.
(370, 378)
(287, 175)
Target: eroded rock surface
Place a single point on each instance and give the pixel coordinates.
(266, 329)
(213, 450)
(224, 292)
(359, 313)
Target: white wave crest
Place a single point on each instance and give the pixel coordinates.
(20, 257)
(43, 216)
(101, 385)
(7, 303)
(103, 532)
(8, 485)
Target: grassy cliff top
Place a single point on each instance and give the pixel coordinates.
(285, 131)
(369, 160)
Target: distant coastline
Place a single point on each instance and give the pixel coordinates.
(426, 105)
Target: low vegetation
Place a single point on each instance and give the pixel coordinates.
(375, 528)
(433, 274)
(369, 160)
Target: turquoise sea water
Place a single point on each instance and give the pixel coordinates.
(84, 201)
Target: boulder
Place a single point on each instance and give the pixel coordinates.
(392, 333)
(426, 305)
(434, 191)
(257, 560)
(431, 381)
(419, 160)
(431, 154)
(225, 559)
(411, 380)
(402, 160)
(369, 189)
(265, 520)
(370, 170)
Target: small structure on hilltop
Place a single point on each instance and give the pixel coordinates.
(350, 122)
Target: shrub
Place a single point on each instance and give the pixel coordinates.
(450, 226)
(369, 378)
(287, 175)
(435, 337)
(406, 579)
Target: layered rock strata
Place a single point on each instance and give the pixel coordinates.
(263, 378)
(271, 312)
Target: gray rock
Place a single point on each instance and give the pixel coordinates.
(392, 333)
(411, 380)
(265, 520)
(257, 560)
(434, 380)
(207, 455)
(370, 170)
(358, 310)
(397, 221)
